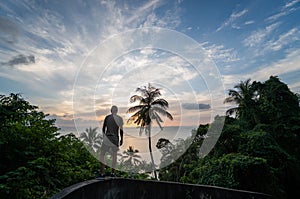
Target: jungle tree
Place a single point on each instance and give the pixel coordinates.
(148, 110)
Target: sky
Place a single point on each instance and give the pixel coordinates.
(74, 59)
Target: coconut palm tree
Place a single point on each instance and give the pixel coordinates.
(91, 138)
(245, 96)
(130, 157)
(148, 109)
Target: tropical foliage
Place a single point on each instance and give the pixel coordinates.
(245, 96)
(35, 162)
(148, 109)
(131, 161)
(92, 139)
(130, 157)
(258, 149)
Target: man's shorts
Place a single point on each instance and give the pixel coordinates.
(110, 142)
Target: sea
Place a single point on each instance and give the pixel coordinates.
(139, 142)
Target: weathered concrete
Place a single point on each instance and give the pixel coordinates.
(144, 189)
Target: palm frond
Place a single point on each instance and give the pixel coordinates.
(161, 102)
(163, 112)
(229, 99)
(232, 110)
(169, 115)
(135, 108)
(158, 122)
(134, 117)
(135, 98)
(158, 117)
(142, 128)
(83, 136)
(143, 91)
(234, 96)
(154, 93)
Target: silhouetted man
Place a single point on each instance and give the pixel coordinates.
(112, 127)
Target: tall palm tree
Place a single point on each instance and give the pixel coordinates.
(244, 95)
(91, 138)
(149, 109)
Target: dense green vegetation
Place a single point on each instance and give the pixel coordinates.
(258, 149)
(35, 161)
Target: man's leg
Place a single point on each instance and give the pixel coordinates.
(102, 165)
(114, 160)
(114, 150)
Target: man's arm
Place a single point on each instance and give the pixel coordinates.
(121, 135)
(121, 132)
(104, 126)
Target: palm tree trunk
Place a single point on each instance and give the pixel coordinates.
(150, 150)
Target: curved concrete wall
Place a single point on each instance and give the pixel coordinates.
(144, 189)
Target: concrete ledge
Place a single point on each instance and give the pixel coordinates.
(144, 189)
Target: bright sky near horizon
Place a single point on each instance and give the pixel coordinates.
(50, 50)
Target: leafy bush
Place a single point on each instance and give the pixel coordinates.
(35, 161)
(258, 150)
(233, 171)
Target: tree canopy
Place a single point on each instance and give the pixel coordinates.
(35, 161)
(258, 148)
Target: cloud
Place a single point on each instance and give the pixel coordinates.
(20, 60)
(291, 3)
(220, 53)
(233, 17)
(9, 31)
(295, 87)
(286, 65)
(141, 10)
(259, 36)
(194, 106)
(284, 39)
(63, 38)
(249, 22)
(285, 10)
(120, 18)
(265, 41)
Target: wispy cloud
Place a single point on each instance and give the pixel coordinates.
(121, 19)
(290, 63)
(284, 39)
(291, 3)
(60, 40)
(147, 7)
(49, 45)
(220, 53)
(295, 87)
(249, 22)
(258, 37)
(287, 9)
(286, 65)
(233, 17)
(265, 41)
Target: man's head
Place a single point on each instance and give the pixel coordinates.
(114, 109)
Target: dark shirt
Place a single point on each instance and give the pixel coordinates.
(112, 124)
